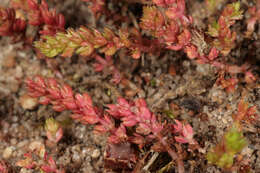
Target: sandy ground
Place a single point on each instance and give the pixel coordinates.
(202, 103)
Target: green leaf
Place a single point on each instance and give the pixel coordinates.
(212, 157)
(169, 114)
(235, 141)
(153, 82)
(226, 160)
(213, 29)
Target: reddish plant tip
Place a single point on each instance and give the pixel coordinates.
(40, 14)
(53, 129)
(3, 167)
(9, 24)
(185, 133)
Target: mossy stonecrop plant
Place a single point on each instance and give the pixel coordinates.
(126, 122)
(53, 130)
(223, 154)
(254, 13)
(9, 24)
(170, 29)
(220, 30)
(84, 41)
(166, 26)
(233, 142)
(165, 23)
(13, 21)
(39, 160)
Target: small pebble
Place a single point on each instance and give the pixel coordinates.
(24, 170)
(76, 157)
(224, 121)
(22, 143)
(14, 119)
(28, 102)
(95, 154)
(13, 141)
(37, 146)
(7, 152)
(9, 60)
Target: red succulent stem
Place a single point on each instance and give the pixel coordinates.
(130, 114)
(9, 24)
(37, 15)
(40, 14)
(171, 152)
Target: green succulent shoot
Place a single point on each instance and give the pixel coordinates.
(223, 154)
(235, 142)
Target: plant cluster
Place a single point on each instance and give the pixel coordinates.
(170, 29)
(254, 13)
(220, 30)
(166, 26)
(131, 122)
(245, 113)
(130, 125)
(233, 142)
(125, 122)
(85, 41)
(223, 154)
(22, 13)
(39, 14)
(9, 24)
(96, 6)
(53, 130)
(3, 167)
(38, 159)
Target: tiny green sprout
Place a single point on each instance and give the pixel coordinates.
(211, 4)
(235, 141)
(108, 92)
(233, 12)
(51, 125)
(153, 82)
(223, 154)
(53, 129)
(169, 113)
(225, 161)
(52, 47)
(237, 14)
(213, 29)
